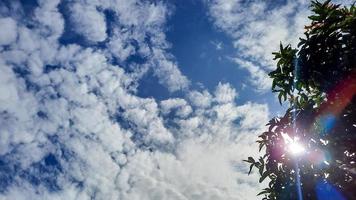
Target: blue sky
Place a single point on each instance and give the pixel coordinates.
(204, 53)
(135, 99)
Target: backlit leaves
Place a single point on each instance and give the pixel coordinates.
(303, 77)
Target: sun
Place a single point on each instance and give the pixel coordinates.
(295, 148)
(292, 145)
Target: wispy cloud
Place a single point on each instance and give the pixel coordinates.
(218, 45)
(256, 28)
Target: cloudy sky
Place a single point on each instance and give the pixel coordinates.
(137, 99)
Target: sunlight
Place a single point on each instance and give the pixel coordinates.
(293, 146)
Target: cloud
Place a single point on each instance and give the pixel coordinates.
(224, 93)
(206, 164)
(193, 175)
(167, 72)
(145, 38)
(218, 45)
(73, 127)
(257, 27)
(9, 33)
(131, 36)
(181, 106)
(259, 78)
(88, 21)
(49, 19)
(200, 99)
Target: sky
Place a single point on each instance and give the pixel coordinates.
(137, 99)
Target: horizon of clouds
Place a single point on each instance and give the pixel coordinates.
(73, 126)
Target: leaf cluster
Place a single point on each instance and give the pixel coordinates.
(304, 78)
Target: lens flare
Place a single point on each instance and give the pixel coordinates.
(293, 146)
(326, 191)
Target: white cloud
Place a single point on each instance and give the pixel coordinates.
(259, 78)
(73, 127)
(200, 99)
(218, 45)
(9, 33)
(50, 20)
(207, 160)
(224, 93)
(257, 27)
(120, 45)
(181, 106)
(89, 22)
(167, 72)
(200, 172)
(132, 33)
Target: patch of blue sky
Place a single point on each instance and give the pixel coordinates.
(149, 87)
(203, 54)
(27, 5)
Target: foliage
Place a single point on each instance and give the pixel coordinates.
(318, 80)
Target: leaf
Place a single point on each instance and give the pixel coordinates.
(271, 183)
(280, 98)
(261, 146)
(265, 191)
(249, 171)
(264, 176)
(253, 163)
(261, 168)
(315, 18)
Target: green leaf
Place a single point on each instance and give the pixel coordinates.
(261, 168)
(280, 98)
(249, 171)
(260, 146)
(265, 191)
(264, 176)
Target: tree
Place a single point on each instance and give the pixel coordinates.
(318, 81)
